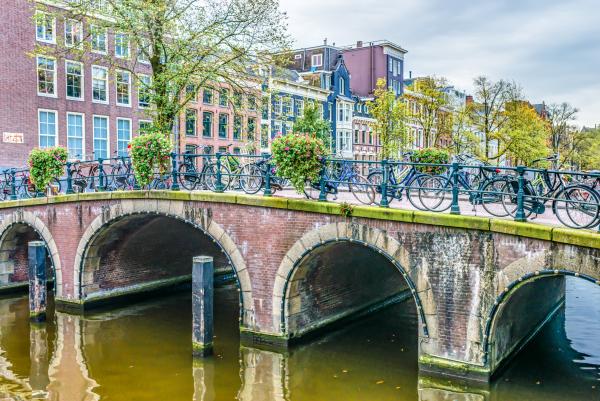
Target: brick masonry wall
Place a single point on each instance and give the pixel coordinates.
(458, 273)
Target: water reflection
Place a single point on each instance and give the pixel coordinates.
(143, 352)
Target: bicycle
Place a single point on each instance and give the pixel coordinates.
(82, 180)
(20, 180)
(121, 175)
(342, 172)
(189, 176)
(253, 177)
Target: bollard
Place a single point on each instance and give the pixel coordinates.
(455, 209)
(202, 306)
(37, 281)
(175, 184)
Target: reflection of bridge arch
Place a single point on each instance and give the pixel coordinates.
(379, 247)
(116, 221)
(16, 230)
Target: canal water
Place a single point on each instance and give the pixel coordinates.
(143, 352)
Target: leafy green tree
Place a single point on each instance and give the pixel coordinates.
(525, 136)
(185, 45)
(561, 117)
(462, 137)
(432, 105)
(390, 117)
(581, 148)
(311, 122)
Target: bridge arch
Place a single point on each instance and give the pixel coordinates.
(170, 220)
(355, 238)
(16, 230)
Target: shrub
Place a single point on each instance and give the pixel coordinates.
(45, 165)
(346, 209)
(149, 152)
(431, 155)
(298, 158)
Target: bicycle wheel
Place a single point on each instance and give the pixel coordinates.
(375, 178)
(362, 189)
(188, 177)
(210, 177)
(412, 190)
(118, 178)
(251, 179)
(435, 193)
(312, 190)
(55, 186)
(492, 195)
(510, 201)
(28, 187)
(577, 206)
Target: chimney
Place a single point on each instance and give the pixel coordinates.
(469, 99)
(325, 42)
(359, 43)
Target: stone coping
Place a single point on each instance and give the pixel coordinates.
(585, 238)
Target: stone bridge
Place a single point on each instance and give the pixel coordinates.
(481, 287)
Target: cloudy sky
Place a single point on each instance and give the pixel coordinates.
(550, 47)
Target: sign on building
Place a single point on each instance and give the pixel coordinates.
(12, 137)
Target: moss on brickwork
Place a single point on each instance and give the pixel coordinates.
(63, 198)
(452, 220)
(206, 196)
(378, 213)
(576, 237)
(91, 196)
(170, 195)
(257, 200)
(313, 206)
(528, 230)
(129, 194)
(461, 369)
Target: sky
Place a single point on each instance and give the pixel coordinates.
(550, 47)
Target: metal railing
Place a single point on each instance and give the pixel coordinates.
(571, 198)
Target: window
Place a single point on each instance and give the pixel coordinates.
(251, 128)
(321, 110)
(223, 97)
(121, 45)
(356, 136)
(237, 127)
(288, 127)
(342, 85)
(299, 107)
(190, 92)
(278, 105)
(344, 141)
(287, 106)
(316, 60)
(265, 109)
(46, 72)
(45, 27)
(143, 52)
(237, 99)
(74, 78)
(100, 137)
(47, 128)
(207, 96)
(223, 125)
(390, 65)
(277, 127)
(191, 119)
(99, 84)
(144, 91)
(364, 135)
(123, 135)
(99, 39)
(73, 32)
(144, 125)
(252, 102)
(264, 136)
(236, 151)
(75, 135)
(123, 82)
(207, 124)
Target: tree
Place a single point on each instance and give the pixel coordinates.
(432, 103)
(581, 148)
(525, 136)
(311, 122)
(187, 44)
(389, 113)
(462, 138)
(560, 117)
(488, 114)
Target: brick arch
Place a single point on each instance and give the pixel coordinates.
(199, 219)
(373, 238)
(21, 217)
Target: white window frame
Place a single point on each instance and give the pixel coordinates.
(107, 85)
(82, 155)
(299, 107)
(342, 85)
(54, 81)
(44, 40)
(279, 105)
(128, 104)
(140, 122)
(94, 116)
(141, 77)
(39, 122)
(117, 55)
(97, 28)
(316, 60)
(82, 97)
(76, 42)
(278, 127)
(140, 57)
(130, 132)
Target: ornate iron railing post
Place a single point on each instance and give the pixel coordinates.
(101, 185)
(175, 183)
(219, 184)
(322, 182)
(13, 184)
(69, 178)
(267, 177)
(520, 215)
(455, 208)
(384, 183)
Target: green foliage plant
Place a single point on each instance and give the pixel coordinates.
(45, 165)
(150, 152)
(298, 158)
(431, 155)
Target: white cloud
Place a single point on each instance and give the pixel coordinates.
(551, 47)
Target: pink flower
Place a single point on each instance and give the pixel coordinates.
(287, 148)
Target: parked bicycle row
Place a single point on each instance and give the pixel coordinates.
(517, 192)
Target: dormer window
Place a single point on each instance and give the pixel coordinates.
(316, 60)
(342, 85)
